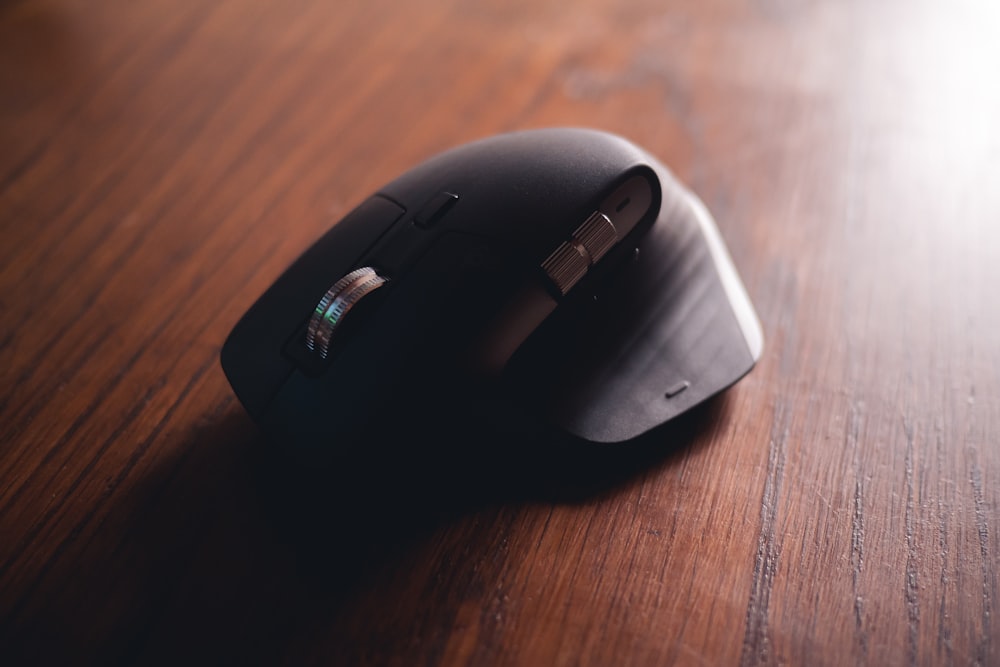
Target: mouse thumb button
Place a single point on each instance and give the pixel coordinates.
(573, 258)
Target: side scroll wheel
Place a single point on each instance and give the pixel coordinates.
(573, 258)
(336, 304)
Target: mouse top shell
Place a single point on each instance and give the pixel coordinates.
(524, 187)
(447, 270)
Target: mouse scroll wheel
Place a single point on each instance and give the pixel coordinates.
(336, 303)
(573, 258)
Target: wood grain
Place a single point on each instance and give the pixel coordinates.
(162, 162)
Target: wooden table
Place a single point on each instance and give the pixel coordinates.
(161, 162)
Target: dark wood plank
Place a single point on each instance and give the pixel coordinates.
(161, 163)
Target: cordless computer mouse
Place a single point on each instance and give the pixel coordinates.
(564, 270)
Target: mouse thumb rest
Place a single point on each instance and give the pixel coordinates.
(669, 331)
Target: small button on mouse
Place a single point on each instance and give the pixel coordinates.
(434, 209)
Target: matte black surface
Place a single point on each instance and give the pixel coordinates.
(598, 370)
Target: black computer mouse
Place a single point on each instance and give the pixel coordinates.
(564, 270)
